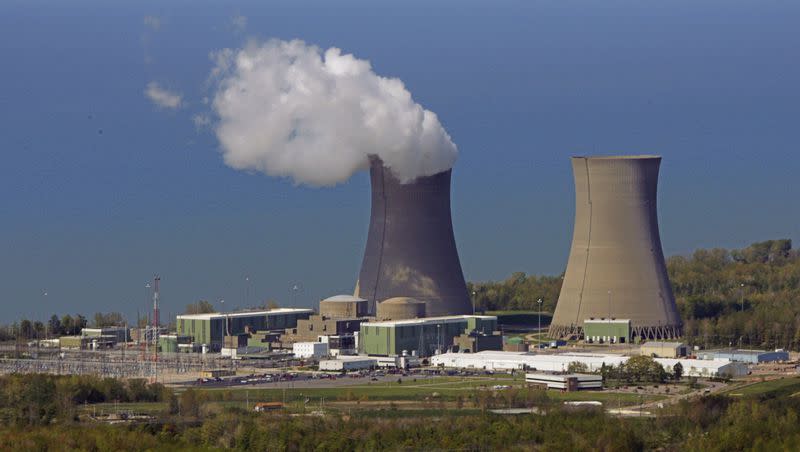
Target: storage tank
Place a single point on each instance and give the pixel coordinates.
(343, 306)
(616, 266)
(411, 251)
(401, 308)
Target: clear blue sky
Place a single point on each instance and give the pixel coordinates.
(712, 86)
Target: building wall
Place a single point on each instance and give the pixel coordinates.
(425, 338)
(597, 330)
(210, 331)
(310, 329)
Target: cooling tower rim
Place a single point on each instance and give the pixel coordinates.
(618, 157)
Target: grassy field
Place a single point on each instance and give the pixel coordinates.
(438, 395)
(444, 388)
(783, 387)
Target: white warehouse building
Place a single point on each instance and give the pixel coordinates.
(310, 349)
(496, 360)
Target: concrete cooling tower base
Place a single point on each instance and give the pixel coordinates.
(616, 267)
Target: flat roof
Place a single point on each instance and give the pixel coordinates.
(560, 377)
(734, 351)
(351, 358)
(430, 320)
(215, 315)
(662, 344)
(348, 298)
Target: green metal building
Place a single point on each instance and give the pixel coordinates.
(604, 331)
(210, 328)
(424, 336)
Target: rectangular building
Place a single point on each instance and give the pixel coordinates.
(565, 382)
(607, 331)
(310, 349)
(426, 336)
(345, 363)
(663, 349)
(120, 333)
(746, 356)
(210, 328)
(559, 362)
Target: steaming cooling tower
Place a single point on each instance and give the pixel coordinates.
(411, 251)
(616, 267)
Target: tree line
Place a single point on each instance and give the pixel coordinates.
(66, 325)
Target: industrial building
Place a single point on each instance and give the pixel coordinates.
(210, 328)
(310, 329)
(475, 341)
(616, 265)
(565, 382)
(341, 345)
(411, 250)
(497, 360)
(343, 306)
(423, 336)
(310, 349)
(746, 356)
(173, 343)
(118, 334)
(345, 363)
(607, 331)
(400, 308)
(663, 349)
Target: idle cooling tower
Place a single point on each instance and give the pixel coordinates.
(616, 266)
(410, 249)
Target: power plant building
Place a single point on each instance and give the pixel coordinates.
(343, 306)
(210, 328)
(559, 362)
(411, 250)
(423, 336)
(616, 266)
(401, 308)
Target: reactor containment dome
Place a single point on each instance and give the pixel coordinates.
(411, 251)
(616, 266)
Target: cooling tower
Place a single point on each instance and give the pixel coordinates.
(411, 251)
(616, 266)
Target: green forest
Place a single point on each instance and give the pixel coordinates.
(748, 297)
(41, 412)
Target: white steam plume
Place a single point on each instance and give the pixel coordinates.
(288, 109)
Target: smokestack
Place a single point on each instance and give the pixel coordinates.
(616, 266)
(411, 251)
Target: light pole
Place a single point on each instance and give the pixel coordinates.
(608, 326)
(225, 322)
(295, 288)
(474, 301)
(539, 302)
(741, 295)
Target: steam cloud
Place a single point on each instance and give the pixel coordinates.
(289, 109)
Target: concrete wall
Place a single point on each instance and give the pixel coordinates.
(411, 250)
(616, 266)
